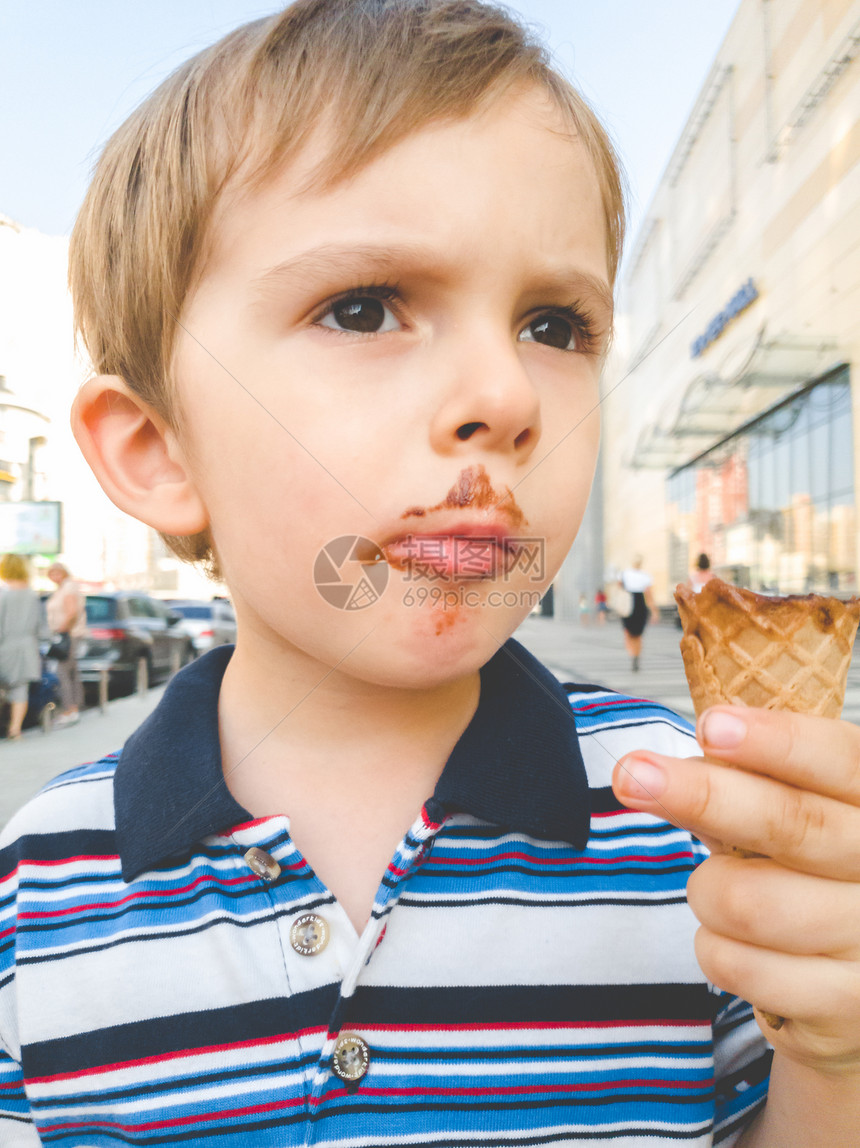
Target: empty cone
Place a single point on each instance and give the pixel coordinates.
(779, 653)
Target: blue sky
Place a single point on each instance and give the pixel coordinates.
(71, 70)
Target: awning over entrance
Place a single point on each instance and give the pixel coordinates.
(714, 405)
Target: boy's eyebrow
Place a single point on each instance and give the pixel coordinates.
(331, 257)
(364, 259)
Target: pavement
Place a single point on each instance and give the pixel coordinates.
(26, 765)
(595, 654)
(575, 653)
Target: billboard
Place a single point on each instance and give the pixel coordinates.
(30, 528)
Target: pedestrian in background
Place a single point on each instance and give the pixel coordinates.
(701, 573)
(67, 615)
(601, 606)
(583, 610)
(20, 663)
(637, 583)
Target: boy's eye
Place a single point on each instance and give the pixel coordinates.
(553, 331)
(360, 314)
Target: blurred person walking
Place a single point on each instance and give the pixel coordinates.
(67, 616)
(637, 583)
(701, 573)
(601, 606)
(20, 663)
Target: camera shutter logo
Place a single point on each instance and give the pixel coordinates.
(350, 572)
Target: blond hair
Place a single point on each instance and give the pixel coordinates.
(371, 72)
(14, 568)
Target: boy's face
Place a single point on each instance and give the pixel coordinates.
(411, 357)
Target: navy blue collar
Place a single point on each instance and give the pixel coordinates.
(517, 763)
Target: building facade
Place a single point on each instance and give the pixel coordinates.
(731, 395)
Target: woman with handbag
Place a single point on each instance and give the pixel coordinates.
(20, 663)
(67, 621)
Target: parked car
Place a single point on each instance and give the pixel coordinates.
(138, 638)
(209, 623)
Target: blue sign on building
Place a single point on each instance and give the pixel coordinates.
(739, 302)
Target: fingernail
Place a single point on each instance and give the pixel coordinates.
(641, 780)
(723, 731)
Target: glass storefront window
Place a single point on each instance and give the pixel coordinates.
(773, 505)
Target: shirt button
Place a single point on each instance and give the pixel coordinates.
(351, 1057)
(309, 934)
(262, 864)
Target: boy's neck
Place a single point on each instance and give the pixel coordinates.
(290, 713)
(348, 762)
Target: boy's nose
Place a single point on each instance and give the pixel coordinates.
(490, 403)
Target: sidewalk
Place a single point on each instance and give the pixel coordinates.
(596, 654)
(26, 765)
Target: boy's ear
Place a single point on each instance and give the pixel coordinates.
(136, 457)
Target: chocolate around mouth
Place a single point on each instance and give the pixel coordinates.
(473, 488)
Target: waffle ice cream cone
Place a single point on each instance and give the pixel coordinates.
(753, 650)
(778, 653)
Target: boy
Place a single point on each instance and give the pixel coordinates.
(346, 281)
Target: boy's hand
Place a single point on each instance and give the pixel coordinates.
(781, 931)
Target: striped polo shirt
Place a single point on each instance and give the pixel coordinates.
(172, 971)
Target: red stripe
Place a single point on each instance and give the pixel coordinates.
(146, 893)
(70, 860)
(250, 824)
(181, 1054)
(618, 702)
(429, 823)
(178, 1121)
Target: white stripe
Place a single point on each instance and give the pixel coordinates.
(170, 976)
(77, 807)
(562, 1036)
(598, 945)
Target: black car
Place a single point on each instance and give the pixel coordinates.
(138, 639)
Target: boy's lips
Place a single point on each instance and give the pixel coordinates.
(467, 550)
